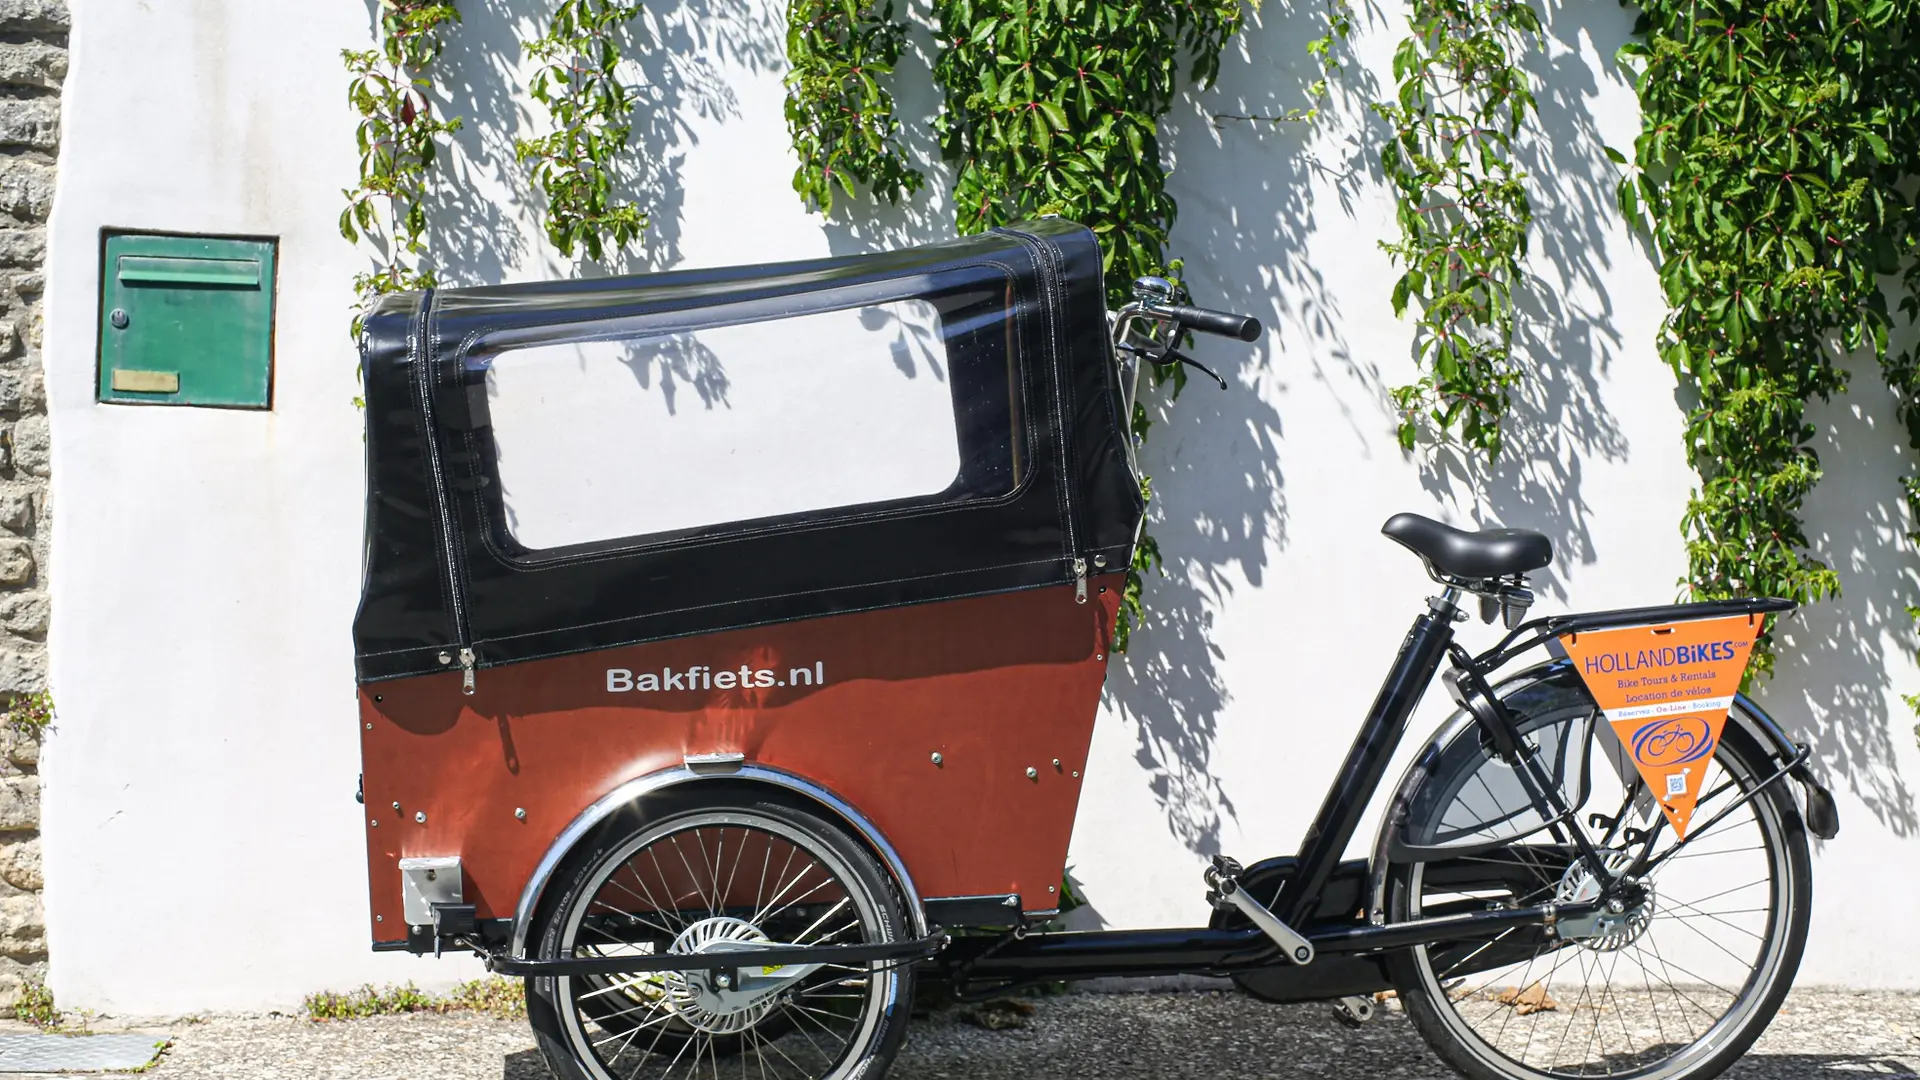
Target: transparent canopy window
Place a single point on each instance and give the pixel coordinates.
(617, 435)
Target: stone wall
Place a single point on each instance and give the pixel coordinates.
(33, 62)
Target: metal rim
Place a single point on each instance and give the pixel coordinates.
(674, 1012)
(1676, 1005)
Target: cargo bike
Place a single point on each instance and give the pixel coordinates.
(730, 647)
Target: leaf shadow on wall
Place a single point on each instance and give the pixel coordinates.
(1830, 686)
(1565, 335)
(678, 59)
(472, 237)
(1214, 457)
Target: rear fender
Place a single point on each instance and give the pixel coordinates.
(1559, 677)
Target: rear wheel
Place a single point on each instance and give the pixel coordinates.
(704, 878)
(1677, 985)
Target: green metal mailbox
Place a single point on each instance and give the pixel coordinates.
(186, 320)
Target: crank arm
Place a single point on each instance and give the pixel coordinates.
(1293, 945)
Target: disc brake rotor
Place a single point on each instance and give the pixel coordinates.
(1616, 925)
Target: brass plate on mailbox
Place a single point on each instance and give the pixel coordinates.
(146, 382)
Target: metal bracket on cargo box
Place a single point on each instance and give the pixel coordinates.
(426, 882)
(996, 909)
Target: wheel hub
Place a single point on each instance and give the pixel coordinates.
(1617, 924)
(727, 1001)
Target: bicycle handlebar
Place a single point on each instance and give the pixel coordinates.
(1208, 321)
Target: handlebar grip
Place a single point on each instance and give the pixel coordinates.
(1207, 321)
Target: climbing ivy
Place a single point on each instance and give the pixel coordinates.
(1055, 108)
(396, 137)
(839, 111)
(1902, 372)
(1051, 106)
(1462, 208)
(1775, 139)
(591, 110)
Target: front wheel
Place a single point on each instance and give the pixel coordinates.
(1677, 986)
(701, 877)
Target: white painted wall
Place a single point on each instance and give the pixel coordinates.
(199, 788)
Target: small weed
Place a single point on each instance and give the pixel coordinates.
(497, 997)
(160, 1049)
(502, 999)
(366, 1001)
(35, 1006)
(30, 714)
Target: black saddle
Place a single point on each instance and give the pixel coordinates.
(1451, 552)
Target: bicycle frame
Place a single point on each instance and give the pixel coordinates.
(1349, 943)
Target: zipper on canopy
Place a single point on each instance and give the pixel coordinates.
(423, 383)
(1045, 260)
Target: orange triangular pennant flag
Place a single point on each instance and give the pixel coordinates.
(1666, 690)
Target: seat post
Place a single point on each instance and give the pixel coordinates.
(1366, 762)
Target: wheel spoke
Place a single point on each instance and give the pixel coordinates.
(1698, 914)
(627, 1036)
(1722, 851)
(801, 937)
(1678, 995)
(619, 987)
(762, 914)
(1735, 889)
(1702, 935)
(630, 914)
(791, 1011)
(691, 876)
(674, 912)
(1647, 976)
(770, 914)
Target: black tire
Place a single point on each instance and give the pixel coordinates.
(785, 1040)
(1440, 1005)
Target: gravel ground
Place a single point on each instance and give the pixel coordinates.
(1820, 1035)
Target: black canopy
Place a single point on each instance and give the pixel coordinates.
(1043, 495)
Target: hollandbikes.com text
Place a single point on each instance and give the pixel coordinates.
(701, 677)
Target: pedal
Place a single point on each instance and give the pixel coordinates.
(1353, 1010)
(1224, 892)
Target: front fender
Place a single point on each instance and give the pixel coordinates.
(634, 790)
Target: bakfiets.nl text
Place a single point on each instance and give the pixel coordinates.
(701, 677)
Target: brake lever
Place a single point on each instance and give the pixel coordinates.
(1175, 356)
